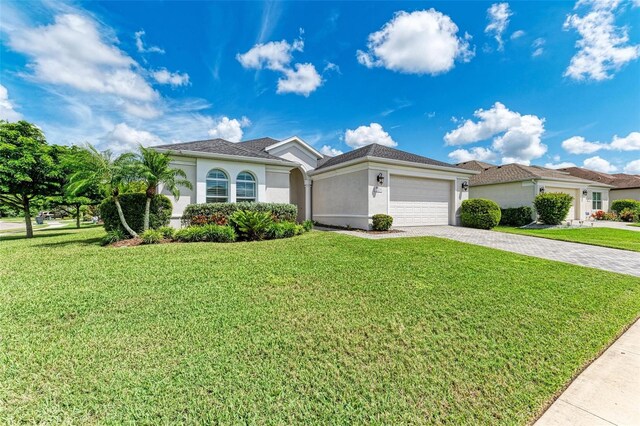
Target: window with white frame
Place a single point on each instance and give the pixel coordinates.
(245, 187)
(217, 186)
(596, 200)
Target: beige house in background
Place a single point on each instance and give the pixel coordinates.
(624, 186)
(345, 190)
(516, 185)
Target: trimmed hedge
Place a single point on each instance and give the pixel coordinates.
(618, 206)
(552, 207)
(133, 209)
(209, 233)
(281, 212)
(516, 216)
(480, 213)
(381, 222)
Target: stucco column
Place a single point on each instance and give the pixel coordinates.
(307, 199)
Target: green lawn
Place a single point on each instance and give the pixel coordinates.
(606, 237)
(321, 328)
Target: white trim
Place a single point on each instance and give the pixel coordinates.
(300, 141)
(559, 182)
(343, 215)
(236, 158)
(410, 164)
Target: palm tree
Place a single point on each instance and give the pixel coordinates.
(109, 174)
(154, 169)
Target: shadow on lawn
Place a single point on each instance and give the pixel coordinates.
(85, 242)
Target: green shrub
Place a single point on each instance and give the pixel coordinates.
(552, 207)
(618, 206)
(251, 225)
(209, 233)
(516, 216)
(167, 232)
(308, 225)
(215, 219)
(280, 212)
(113, 237)
(381, 222)
(629, 215)
(133, 209)
(479, 213)
(151, 236)
(279, 230)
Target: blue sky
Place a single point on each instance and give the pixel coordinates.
(534, 82)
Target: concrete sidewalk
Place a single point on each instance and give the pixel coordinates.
(607, 392)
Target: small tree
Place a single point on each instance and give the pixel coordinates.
(109, 175)
(29, 167)
(552, 207)
(154, 169)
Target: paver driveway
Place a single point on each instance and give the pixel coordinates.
(621, 261)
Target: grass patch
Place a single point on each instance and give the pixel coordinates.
(605, 237)
(321, 328)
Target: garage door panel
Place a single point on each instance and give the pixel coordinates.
(418, 201)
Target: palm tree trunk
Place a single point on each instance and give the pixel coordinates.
(147, 209)
(122, 219)
(27, 216)
(78, 216)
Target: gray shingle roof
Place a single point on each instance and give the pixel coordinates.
(519, 172)
(259, 144)
(379, 151)
(224, 147)
(618, 180)
(476, 165)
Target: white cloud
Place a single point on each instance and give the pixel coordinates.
(538, 47)
(141, 47)
(146, 111)
(478, 153)
(421, 42)
(517, 34)
(125, 138)
(603, 47)
(561, 165)
(72, 52)
(163, 76)
(516, 137)
(302, 81)
(498, 15)
(229, 129)
(6, 107)
(633, 167)
(331, 152)
(365, 135)
(578, 144)
(274, 55)
(631, 142)
(599, 165)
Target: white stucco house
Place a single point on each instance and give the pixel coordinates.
(516, 185)
(345, 190)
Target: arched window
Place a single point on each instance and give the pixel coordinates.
(245, 187)
(217, 186)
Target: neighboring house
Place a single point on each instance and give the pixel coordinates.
(624, 186)
(346, 190)
(516, 185)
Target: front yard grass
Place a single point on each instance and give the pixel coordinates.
(605, 237)
(321, 328)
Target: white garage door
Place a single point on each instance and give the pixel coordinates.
(573, 193)
(417, 201)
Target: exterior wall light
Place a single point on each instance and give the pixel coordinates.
(541, 190)
(380, 179)
(585, 192)
(465, 186)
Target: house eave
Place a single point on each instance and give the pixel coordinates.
(302, 142)
(393, 162)
(238, 158)
(588, 184)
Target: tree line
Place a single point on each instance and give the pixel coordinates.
(31, 170)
